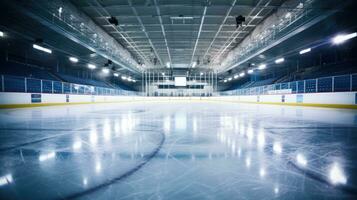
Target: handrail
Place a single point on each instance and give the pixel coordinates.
(313, 85)
(74, 88)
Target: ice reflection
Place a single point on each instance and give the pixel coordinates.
(180, 121)
(107, 131)
(6, 179)
(247, 162)
(250, 134)
(194, 124)
(77, 145)
(261, 139)
(128, 122)
(167, 124)
(262, 172)
(276, 189)
(47, 156)
(336, 175)
(93, 137)
(277, 148)
(85, 181)
(98, 167)
(301, 160)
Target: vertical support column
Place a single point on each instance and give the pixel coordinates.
(41, 86)
(3, 83)
(333, 84)
(52, 87)
(148, 83)
(317, 85)
(351, 82)
(25, 83)
(304, 86)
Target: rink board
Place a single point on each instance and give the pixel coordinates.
(334, 100)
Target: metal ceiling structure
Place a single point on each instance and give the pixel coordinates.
(178, 32)
(162, 35)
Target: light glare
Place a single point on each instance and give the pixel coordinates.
(91, 66)
(105, 70)
(38, 47)
(305, 51)
(262, 66)
(342, 38)
(280, 60)
(73, 59)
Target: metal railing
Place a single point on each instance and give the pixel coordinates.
(10, 83)
(342, 83)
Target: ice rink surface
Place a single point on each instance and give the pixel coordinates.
(178, 150)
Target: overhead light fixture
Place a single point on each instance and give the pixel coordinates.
(230, 78)
(225, 80)
(262, 66)
(201, 74)
(123, 77)
(168, 64)
(163, 73)
(1, 34)
(134, 81)
(60, 10)
(288, 15)
(105, 70)
(73, 59)
(116, 74)
(41, 48)
(91, 66)
(242, 74)
(305, 51)
(342, 38)
(194, 64)
(280, 60)
(250, 71)
(236, 76)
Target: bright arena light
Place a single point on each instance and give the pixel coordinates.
(38, 47)
(123, 77)
(116, 74)
(91, 66)
(194, 64)
(342, 38)
(168, 64)
(262, 66)
(250, 71)
(336, 175)
(230, 78)
(225, 81)
(1, 34)
(242, 74)
(305, 51)
(105, 70)
(73, 59)
(280, 60)
(236, 76)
